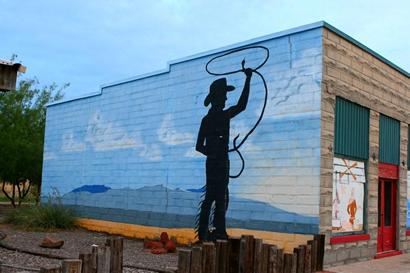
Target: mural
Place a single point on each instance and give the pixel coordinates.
(146, 151)
(348, 195)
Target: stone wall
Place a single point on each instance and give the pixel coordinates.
(354, 74)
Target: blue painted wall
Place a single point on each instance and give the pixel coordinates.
(128, 154)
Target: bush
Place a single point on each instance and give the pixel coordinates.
(49, 216)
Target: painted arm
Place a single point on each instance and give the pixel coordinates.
(200, 143)
(243, 100)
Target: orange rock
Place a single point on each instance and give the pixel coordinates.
(159, 251)
(164, 238)
(49, 242)
(153, 244)
(170, 246)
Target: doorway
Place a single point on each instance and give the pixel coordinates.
(387, 204)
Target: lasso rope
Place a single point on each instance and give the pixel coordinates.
(237, 146)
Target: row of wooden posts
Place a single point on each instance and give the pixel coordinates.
(106, 258)
(250, 255)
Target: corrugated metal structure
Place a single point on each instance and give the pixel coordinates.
(389, 142)
(351, 129)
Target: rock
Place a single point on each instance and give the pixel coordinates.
(170, 246)
(159, 251)
(49, 242)
(2, 236)
(153, 244)
(164, 238)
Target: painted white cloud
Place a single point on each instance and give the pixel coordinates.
(105, 136)
(151, 152)
(191, 152)
(108, 136)
(170, 136)
(238, 128)
(70, 144)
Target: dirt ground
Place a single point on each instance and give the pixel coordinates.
(75, 242)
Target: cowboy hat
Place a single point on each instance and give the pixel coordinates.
(216, 88)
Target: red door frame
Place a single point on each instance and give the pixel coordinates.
(386, 237)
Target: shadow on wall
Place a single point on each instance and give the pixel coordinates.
(176, 208)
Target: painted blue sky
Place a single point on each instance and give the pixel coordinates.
(89, 43)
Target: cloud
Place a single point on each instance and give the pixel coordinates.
(191, 152)
(170, 136)
(108, 136)
(69, 144)
(151, 152)
(105, 136)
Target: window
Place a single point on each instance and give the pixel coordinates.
(349, 172)
(389, 140)
(351, 129)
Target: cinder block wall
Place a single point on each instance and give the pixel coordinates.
(356, 75)
(127, 155)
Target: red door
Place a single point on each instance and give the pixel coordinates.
(386, 238)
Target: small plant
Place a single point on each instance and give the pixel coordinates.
(49, 216)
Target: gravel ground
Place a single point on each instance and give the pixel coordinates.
(75, 241)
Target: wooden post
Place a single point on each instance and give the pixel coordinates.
(208, 258)
(294, 263)
(257, 258)
(222, 253)
(273, 259)
(234, 248)
(287, 263)
(94, 256)
(246, 254)
(280, 261)
(308, 259)
(71, 266)
(116, 247)
(320, 238)
(313, 254)
(265, 258)
(301, 259)
(184, 261)
(196, 260)
(103, 259)
(50, 269)
(87, 263)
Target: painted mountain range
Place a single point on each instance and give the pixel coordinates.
(165, 207)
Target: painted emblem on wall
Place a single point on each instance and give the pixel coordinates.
(348, 195)
(213, 142)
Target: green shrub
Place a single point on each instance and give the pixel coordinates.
(49, 216)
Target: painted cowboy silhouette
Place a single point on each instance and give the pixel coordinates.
(213, 138)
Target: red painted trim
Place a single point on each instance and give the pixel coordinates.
(388, 171)
(408, 232)
(349, 239)
(388, 254)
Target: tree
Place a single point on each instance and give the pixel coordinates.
(22, 124)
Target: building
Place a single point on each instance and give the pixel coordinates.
(328, 154)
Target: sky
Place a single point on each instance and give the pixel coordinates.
(88, 43)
